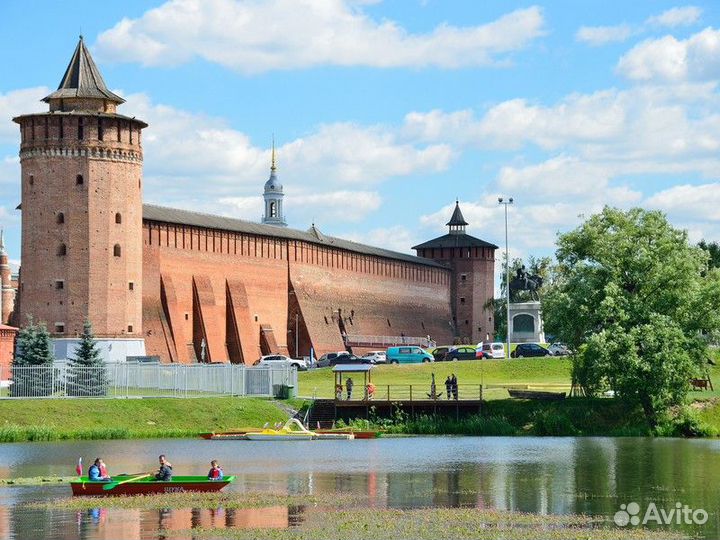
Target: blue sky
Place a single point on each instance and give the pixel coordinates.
(385, 112)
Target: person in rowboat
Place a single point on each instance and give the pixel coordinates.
(164, 473)
(97, 472)
(216, 472)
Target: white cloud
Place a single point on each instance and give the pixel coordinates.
(600, 35)
(262, 36)
(678, 16)
(689, 202)
(669, 59)
(184, 150)
(15, 103)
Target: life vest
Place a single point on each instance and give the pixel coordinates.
(103, 471)
(214, 472)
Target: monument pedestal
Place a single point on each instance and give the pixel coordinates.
(526, 324)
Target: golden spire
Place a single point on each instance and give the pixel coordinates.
(272, 166)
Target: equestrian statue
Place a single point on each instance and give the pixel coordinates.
(525, 282)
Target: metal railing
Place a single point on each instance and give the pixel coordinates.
(409, 392)
(387, 341)
(144, 380)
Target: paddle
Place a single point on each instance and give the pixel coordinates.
(114, 484)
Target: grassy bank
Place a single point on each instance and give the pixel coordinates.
(537, 371)
(57, 419)
(572, 417)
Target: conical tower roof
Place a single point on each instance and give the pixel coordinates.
(82, 79)
(457, 217)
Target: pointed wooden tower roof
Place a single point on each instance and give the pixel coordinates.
(82, 79)
(457, 218)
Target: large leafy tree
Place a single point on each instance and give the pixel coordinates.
(32, 365)
(87, 374)
(713, 250)
(636, 300)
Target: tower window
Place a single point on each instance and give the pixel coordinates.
(467, 322)
(463, 277)
(59, 328)
(101, 133)
(31, 180)
(130, 328)
(462, 299)
(116, 250)
(79, 180)
(81, 128)
(59, 284)
(273, 210)
(60, 218)
(62, 131)
(131, 286)
(62, 250)
(118, 218)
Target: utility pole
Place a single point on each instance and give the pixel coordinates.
(507, 203)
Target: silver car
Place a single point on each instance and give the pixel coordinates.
(377, 357)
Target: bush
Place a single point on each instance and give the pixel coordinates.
(684, 424)
(548, 422)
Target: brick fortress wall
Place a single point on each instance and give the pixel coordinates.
(240, 294)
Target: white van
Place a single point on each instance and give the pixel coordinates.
(495, 349)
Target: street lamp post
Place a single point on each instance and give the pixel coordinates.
(507, 203)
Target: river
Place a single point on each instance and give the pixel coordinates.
(540, 475)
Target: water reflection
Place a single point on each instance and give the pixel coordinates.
(548, 476)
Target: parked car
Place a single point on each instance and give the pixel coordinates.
(494, 350)
(324, 360)
(438, 353)
(376, 357)
(529, 349)
(278, 359)
(408, 355)
(461, 352)
(559, 349)
(347, 358)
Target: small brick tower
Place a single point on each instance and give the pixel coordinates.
(81, 206)
(473, 283)
(7, 294)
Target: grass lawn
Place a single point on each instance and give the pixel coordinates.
(537, 371)
(50, 419)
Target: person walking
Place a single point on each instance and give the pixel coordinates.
(349, 387)
(448, 387)
(454, 384)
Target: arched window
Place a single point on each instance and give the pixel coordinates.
(118, 218)
(60, 218)
(31, 180)
(79, 180)
(62, 250)
(116, 250)
(273, 210)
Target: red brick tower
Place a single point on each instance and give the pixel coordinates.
(82, 214)
(7, 294)
(473, 278)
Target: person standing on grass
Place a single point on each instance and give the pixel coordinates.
(164, 472)
(349, 386)
(454, 384)
(448, 387)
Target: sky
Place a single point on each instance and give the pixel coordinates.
(385, 113)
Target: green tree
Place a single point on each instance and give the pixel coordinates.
(635, 299)
(87, 373)
(32, 365)
(713, 250)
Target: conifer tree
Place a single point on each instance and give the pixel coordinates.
(87, 374)
(34, 352)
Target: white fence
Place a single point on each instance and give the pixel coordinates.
(144, 380)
